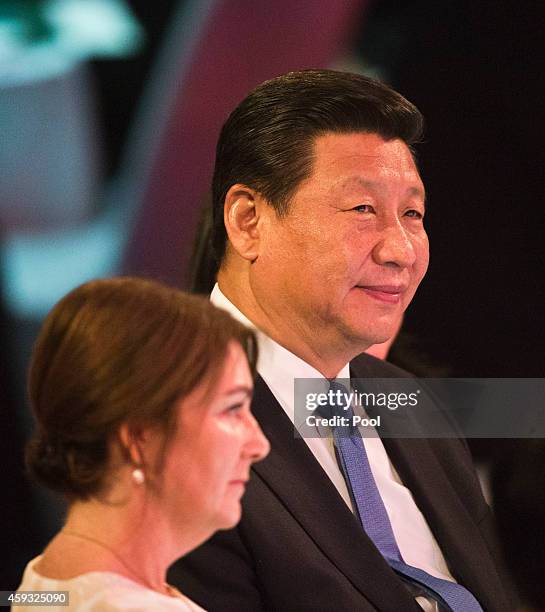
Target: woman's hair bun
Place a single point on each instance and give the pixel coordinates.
(62, 467)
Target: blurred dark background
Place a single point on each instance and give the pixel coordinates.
(108, 125)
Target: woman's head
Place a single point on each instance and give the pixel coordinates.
(207, 464)
(114, 353)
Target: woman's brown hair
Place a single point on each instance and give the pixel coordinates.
(114, 351)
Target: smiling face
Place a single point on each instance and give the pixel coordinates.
(346, 260)
(208, 460)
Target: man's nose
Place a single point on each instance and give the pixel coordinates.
(395, 247)
(257, 446)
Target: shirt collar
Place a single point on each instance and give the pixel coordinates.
(276, 365)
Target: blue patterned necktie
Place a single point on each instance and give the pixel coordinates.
(355, 466)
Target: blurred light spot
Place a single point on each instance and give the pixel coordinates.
(39, 270)
(78, 30)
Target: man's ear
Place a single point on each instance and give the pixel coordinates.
(241, 215)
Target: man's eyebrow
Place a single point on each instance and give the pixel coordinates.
(418, 192)
(376, 185)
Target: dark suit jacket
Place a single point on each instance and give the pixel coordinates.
(298, 546)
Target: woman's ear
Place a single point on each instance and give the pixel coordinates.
(241, 214)
(131, 438)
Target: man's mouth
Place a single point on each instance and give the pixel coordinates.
(389, 294)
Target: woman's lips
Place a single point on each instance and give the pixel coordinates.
(239, 486)
(389, 294)
(242, 482)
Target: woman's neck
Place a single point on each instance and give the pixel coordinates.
(106, 537)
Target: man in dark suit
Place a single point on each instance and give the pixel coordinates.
(318, 228)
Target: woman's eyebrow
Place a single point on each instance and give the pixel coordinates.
(240, 389)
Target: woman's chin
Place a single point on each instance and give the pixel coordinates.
(229, 517)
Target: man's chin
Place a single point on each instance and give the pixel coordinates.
(364, 337)
(357, 346)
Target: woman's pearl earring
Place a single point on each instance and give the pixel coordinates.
(138, 476)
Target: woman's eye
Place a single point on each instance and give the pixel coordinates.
(234, 408)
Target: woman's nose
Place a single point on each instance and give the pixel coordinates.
(257, 445)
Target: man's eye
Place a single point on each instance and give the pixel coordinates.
(414, 214)
(364, 208)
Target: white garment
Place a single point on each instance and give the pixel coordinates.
(102, 592)
(279, 367)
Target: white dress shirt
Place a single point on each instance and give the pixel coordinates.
(279, 367)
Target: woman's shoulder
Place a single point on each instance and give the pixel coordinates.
(104, 591)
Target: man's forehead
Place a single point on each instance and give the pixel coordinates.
(362, 160)
(376, 186)
(369, 149)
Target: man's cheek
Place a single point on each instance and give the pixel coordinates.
(423, 264)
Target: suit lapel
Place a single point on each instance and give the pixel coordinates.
(301, 485)
(460, 539)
